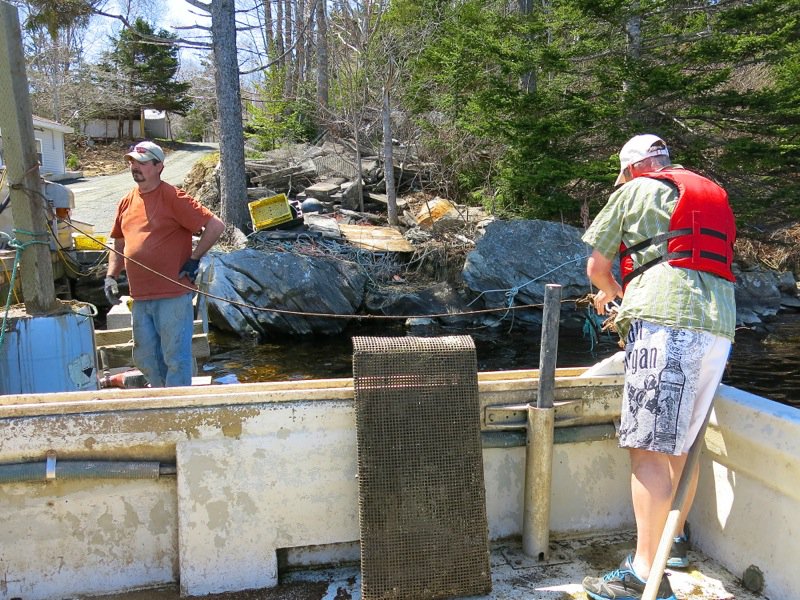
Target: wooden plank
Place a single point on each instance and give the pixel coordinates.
(383, 199)
(123, 335)
(121, 355)
(376, 238)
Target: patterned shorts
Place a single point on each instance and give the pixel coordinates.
(671, 376)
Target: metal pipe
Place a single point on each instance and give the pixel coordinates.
(540, 426)
(538, 482)
(49, 470)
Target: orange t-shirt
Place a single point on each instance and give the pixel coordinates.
(157, 228)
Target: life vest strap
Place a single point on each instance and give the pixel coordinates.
(671, 256)
(656, 239)
(663, 237)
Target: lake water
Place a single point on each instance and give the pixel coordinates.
(763, 362)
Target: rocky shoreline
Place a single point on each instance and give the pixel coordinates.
(261, 293)
(444, 266)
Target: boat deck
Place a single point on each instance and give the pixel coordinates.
(514, 576)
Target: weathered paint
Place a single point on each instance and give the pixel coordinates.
(267, 470)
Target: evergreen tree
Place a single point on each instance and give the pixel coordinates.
(538, 102)
(148, 63)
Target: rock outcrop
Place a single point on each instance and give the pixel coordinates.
(510, 265)
(255, 293)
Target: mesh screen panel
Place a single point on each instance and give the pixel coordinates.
(422, 507)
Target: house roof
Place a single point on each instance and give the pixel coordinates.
(48, 124)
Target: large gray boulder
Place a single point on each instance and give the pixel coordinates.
(514, 261)
(246, 283)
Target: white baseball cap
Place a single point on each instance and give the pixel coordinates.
(638, 148)
(144, 151)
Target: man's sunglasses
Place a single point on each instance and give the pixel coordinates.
(143, 150)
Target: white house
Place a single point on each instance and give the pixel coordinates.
(49, 137)
(150, 124)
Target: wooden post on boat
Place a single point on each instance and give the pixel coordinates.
(539, 449)
(24, 183)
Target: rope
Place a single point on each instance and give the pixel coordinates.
(511, 293)
(19, 247)
(329, 247)
(594, 324)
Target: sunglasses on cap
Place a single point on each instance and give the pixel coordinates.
(143, 150)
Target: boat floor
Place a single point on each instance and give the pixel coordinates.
(514, 576)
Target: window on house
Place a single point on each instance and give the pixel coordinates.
(39, 151)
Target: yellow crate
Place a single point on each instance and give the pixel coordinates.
(268, 212)
(84, 242)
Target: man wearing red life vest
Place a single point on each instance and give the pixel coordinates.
(674, 232)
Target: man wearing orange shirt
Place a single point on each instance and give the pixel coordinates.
(153, 231)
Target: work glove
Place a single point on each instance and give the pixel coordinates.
(111, 289)
(189, 269)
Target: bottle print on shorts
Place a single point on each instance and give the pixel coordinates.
(667, 401)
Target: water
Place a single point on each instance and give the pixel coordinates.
(765, 363)
(768, 363)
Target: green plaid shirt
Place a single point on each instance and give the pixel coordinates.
(663, 294)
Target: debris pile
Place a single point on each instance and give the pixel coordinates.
(340, 209)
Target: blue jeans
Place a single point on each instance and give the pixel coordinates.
(162, 340)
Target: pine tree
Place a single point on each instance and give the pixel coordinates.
(148, 61)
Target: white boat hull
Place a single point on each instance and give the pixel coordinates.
(269, 470)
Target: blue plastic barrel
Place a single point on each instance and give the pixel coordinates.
(53, 353)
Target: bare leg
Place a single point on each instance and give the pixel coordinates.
(654, 480)
(651, 490)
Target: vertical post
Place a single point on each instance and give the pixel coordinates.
(27, 201)
(539, 449)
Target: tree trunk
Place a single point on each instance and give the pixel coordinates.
(288, 39)
(269, 36)
(309, 51)
(633, 31)
(528, 80)
(279, 45)
(232, 181)
(300, 47)
(388, 155)
(322, 55)
(359, 178)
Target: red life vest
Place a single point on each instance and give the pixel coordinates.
(701, 233)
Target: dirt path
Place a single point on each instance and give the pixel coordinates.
(96, 197)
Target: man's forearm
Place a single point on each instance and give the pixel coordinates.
(116, 262)
(208, 238)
